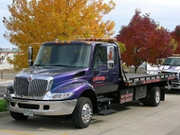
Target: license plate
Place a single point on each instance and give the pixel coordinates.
(28, 112)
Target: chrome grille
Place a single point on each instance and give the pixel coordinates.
(35, 88)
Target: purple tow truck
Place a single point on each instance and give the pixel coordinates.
(79, 78)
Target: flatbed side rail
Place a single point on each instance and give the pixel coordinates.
(150, 79)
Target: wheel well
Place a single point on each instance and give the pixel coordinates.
(92, 96)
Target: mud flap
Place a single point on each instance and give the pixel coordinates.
(162, 95)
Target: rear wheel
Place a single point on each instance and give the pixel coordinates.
(82, 114)
(18, 116)
(155, 96)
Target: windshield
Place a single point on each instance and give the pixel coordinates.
(68, 55)
(172, 62)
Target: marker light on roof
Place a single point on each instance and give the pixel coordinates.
(68, 42)
(56, 41)
(97, 39)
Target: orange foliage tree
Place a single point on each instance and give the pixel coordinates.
(35, 21)
(144, 40)
(176, 36)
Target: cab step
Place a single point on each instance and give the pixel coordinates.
(104, 105)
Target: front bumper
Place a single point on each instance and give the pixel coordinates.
(175, 85)
(41, 108)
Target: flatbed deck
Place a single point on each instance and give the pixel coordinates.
(139, 79)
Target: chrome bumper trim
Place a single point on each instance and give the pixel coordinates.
(54, 107)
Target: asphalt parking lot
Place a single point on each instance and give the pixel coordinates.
(130, 119)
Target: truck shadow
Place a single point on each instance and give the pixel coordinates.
(173, 92)
(44, 123)
(62, 122)
(126, 106)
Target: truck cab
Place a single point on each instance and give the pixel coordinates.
(93, 62)
(66, 76)
(172, 65)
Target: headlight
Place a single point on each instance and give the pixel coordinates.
(178, 75)
(57, 96)
(6, 93)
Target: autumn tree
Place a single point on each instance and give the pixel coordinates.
(34, 21)
(176, 36)
(145, 41)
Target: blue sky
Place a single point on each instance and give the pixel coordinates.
(164, 12)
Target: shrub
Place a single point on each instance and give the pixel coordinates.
(2, 106)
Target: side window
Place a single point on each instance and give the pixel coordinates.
(100, 57)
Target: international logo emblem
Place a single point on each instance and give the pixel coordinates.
(30, 79)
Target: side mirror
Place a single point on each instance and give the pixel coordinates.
(110, 64)
(30, 56)
(110, 57)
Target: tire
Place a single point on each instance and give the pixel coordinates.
(145, 101)
(82, 114)
(155, 96)
(18, 116)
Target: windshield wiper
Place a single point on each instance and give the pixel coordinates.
(59, 65)
(37, 65)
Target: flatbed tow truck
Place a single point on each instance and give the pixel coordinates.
(79, 78)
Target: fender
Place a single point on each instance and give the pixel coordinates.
(9, 90)
(77, 86)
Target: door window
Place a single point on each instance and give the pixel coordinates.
(100, 57)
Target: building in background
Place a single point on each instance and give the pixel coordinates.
(4, 54)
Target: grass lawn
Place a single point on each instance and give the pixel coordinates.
(2, 106)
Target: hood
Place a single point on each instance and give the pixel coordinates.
(173, 69)
(58, 73)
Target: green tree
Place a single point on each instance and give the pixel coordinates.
(122, 47)
(35, 21)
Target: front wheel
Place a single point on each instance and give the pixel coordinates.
(82, 114)
(18, 116)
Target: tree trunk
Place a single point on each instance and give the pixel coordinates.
(135, 69)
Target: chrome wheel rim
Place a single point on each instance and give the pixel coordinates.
(157, 97)
(86, 113)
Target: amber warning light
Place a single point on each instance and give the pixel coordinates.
(97, 39)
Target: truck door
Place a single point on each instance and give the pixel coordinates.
(104, 79)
